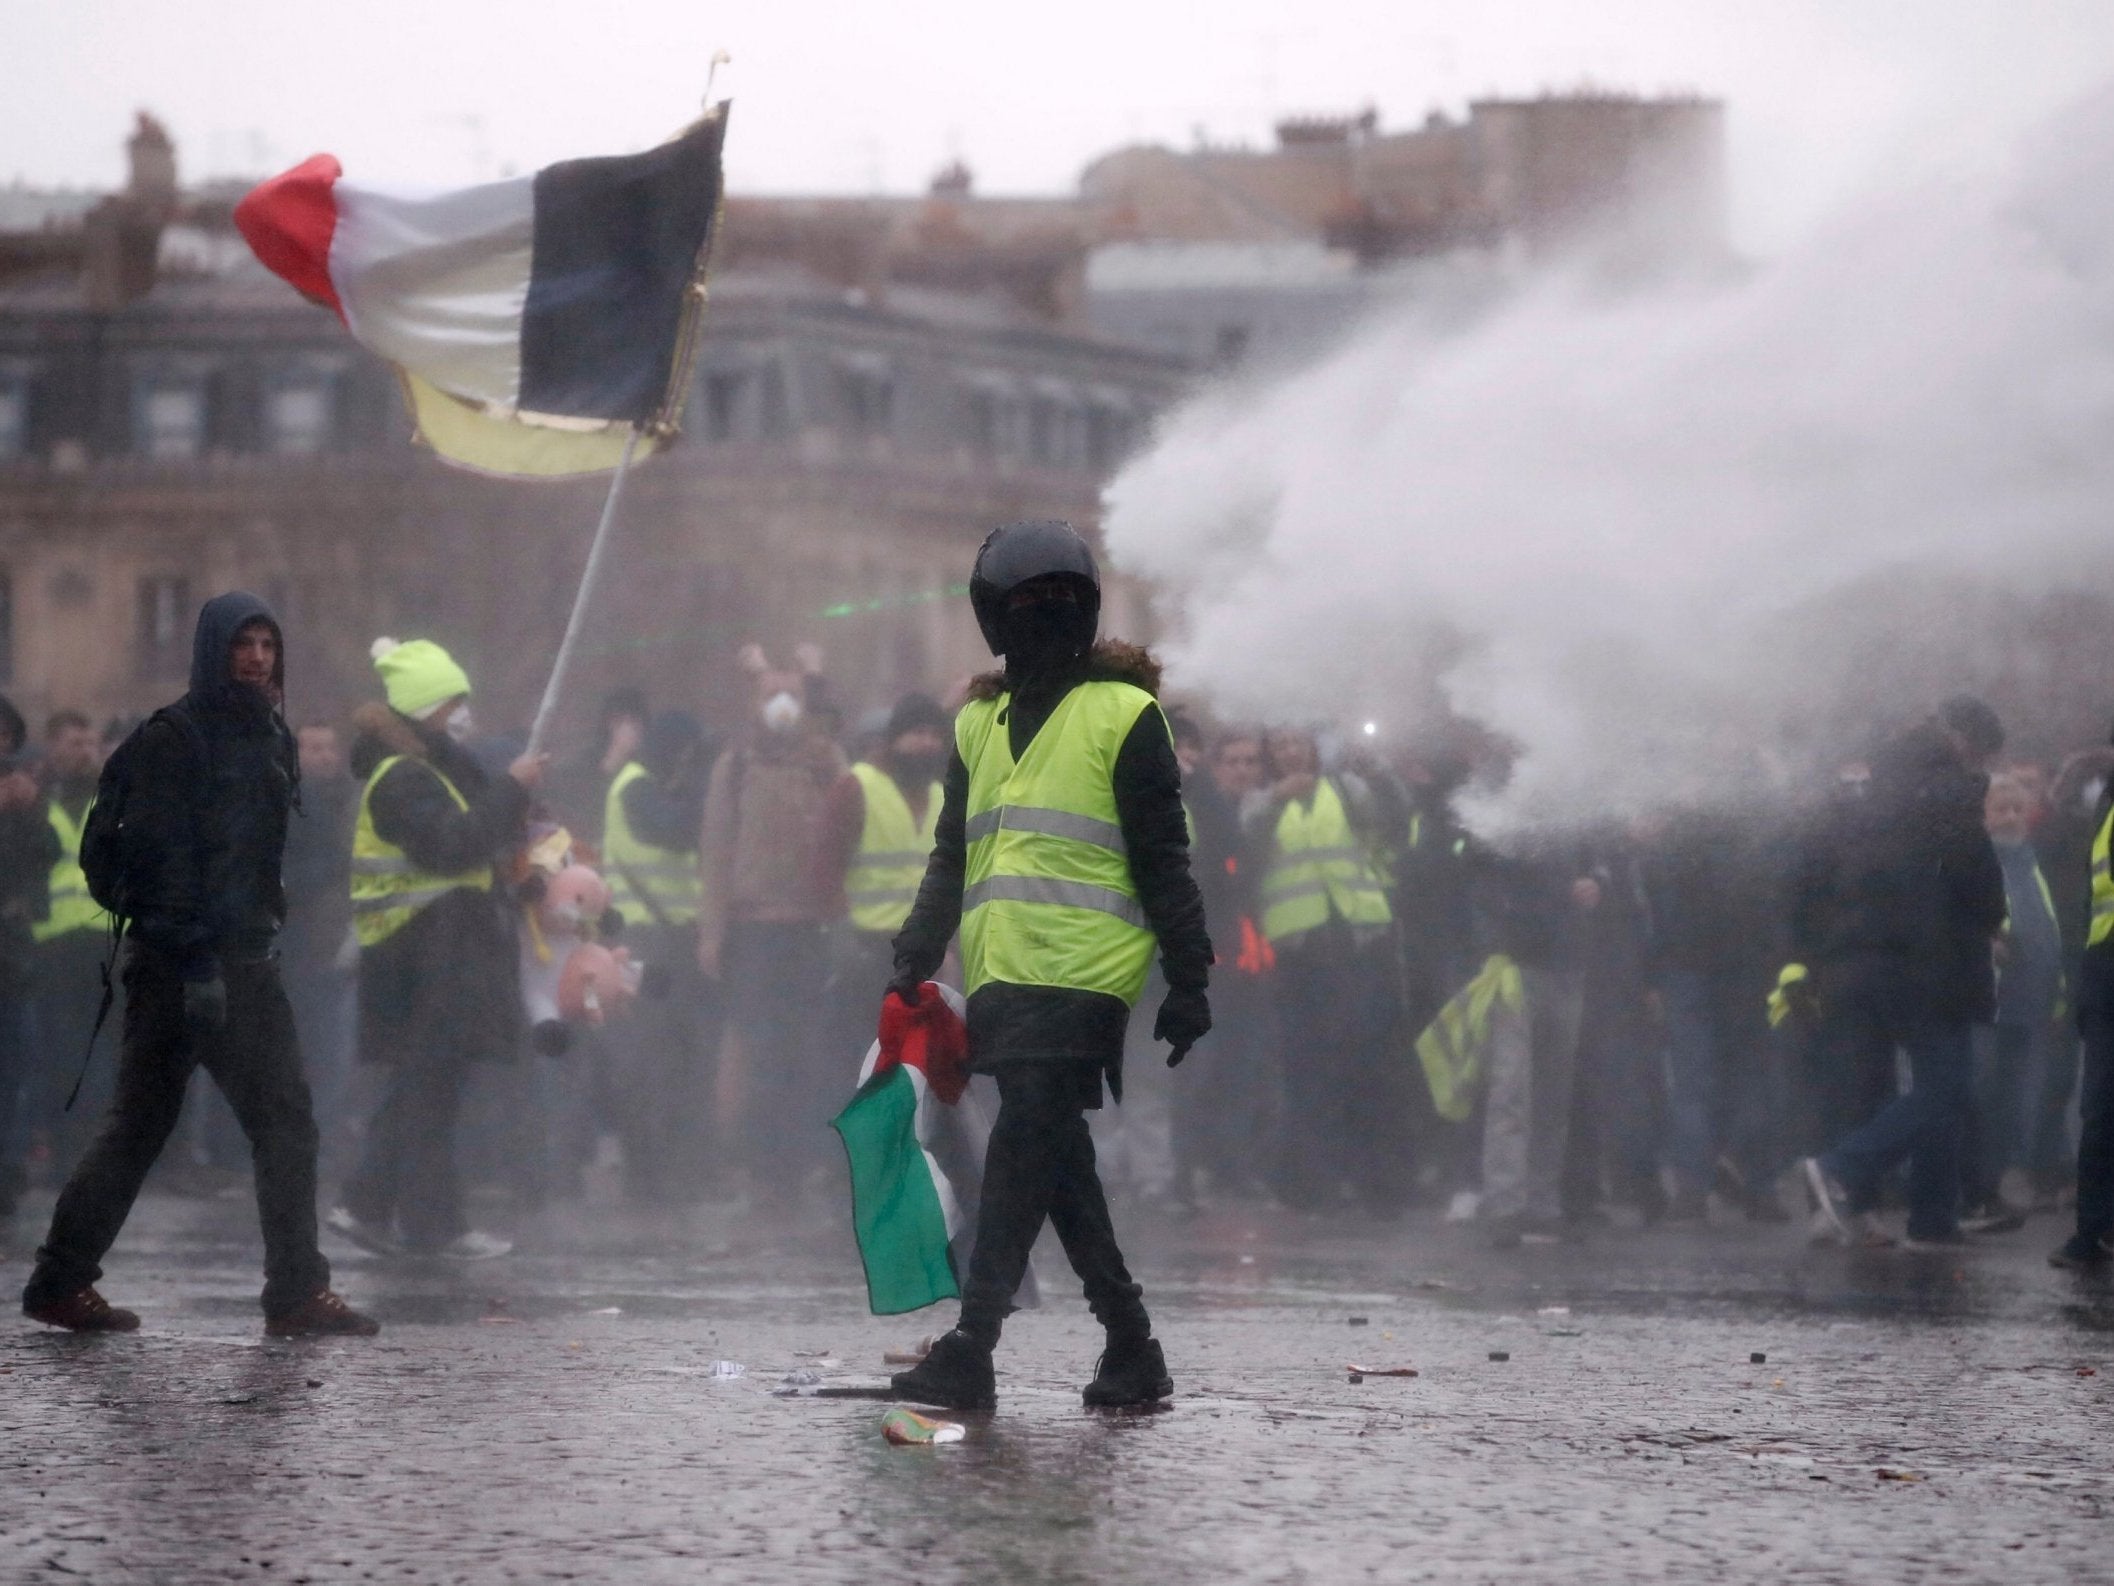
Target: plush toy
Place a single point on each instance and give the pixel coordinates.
(569, 975)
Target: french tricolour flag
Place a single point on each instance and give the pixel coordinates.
(538, 321)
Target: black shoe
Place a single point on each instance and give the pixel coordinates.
(1131, 1374)
(956, 1375)
(2080, 1254)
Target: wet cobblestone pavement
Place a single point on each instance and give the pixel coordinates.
(554, 1416)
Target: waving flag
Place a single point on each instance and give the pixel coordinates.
(536, 322)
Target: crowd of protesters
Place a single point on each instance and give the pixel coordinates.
(1845, 1005)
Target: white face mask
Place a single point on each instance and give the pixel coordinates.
(781, 712)
(460, 725)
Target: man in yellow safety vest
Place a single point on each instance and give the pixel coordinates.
(71, 942)
(1062, 853)
(661, 1055)
(2091, 1244)
(439, 957)
(1322, 838)
(876, 832)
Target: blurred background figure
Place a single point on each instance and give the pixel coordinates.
(29, 847)
(72, 942)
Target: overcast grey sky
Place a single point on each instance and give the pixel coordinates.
(850, 95)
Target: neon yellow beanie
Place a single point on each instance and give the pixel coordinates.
(418, 675)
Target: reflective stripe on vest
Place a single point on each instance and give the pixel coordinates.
(882, 882)
(668, 875)
(1048, 898)
(72, 909)
(2102, 884)
(387, 887)
(1317, 869)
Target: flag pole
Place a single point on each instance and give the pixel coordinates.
(590, 581)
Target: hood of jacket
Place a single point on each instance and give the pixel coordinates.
(219, 621)
(379, 733)
(672, 738)
(1110, 661)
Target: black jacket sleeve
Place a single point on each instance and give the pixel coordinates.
(164, 849)
(412, 810)
(663, 816)
(1156, 831)
(937, 914)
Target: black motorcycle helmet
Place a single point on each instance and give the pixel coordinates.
(1016, 553)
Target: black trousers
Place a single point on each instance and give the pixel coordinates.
(2095, 1145)
(256, 1062)
(1040, 1165)
(1346, 1074)
(406, 1174)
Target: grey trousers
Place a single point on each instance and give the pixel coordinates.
(1527, 1101)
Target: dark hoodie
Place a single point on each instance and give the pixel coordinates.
(666, 806)
(1010, 1024)
(214, 778)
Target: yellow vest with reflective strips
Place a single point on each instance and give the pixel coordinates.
(1319, 867)
(882, 882)
(72, 909)
(2102, 884)
(387, 888)
(1047, 897)
(669, 876)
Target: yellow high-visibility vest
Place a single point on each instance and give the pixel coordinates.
(72, 909)
(883, 880)
(2102, 884)
(1047, 898)
(387, 887)
(1318, 868)
(669, 876)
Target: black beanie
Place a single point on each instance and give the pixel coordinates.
(1975, 721)
(918, 710)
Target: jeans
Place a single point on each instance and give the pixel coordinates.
(1527, 1096)
(256, 1061)
(1040, 1165)
(2007, 1060)
(2095, 1142)
(1923, 1127)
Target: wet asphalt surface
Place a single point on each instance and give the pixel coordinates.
(554, 1415)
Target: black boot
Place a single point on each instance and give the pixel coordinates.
(956, 1375)
(1132, 1373)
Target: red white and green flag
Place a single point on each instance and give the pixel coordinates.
(915, 1143)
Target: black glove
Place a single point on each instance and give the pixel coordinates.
(205, 1006)
(906, 988)
(1185, 1018)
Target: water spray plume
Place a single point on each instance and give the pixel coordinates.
(1645, 535)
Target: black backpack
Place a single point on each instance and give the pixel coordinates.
(104, 838)
(105, 862)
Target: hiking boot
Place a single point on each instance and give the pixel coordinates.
(2080, 1253)
(374, 1238)
(324, 1314)
(1132, 1373)
(83, 1311)
(956, 1374)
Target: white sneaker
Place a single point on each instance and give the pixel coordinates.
(368, 1236)
(1831, 1219)
(1463, 1207)
(476, 1245)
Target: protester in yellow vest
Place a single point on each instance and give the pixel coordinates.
(439, 961)
(2090, 1246)
(875, 835)
(28, 849)
(1325, 911)
(661, 1056)
(1062, 852)
(72, 942)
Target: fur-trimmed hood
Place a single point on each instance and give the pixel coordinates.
(379, 732)
(1110, 661)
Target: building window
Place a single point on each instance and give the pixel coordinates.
(164, 627)
(297, 419)
(172, 420)
(14, 419)
(775, 421)
(7, 627)
(1046, 432)
(1108, 437)
(868, 393)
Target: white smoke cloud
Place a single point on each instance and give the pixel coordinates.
(1628, 504)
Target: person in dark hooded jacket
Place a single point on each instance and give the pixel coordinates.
(211, 781)
(1896, 913)
(440, 970)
